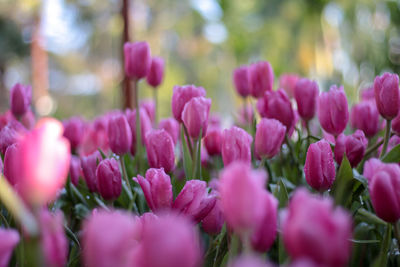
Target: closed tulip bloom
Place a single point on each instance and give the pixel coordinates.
(367, 94)
(288, 83)
(236, 145)
(242, 196)
(119, 135)
(109, 239)
(213, 141)
(270, 134)
(245, 115)
(10, 134)
(74, 129)
(145, 126)
(261, 78)
(156, 72)
(54, 243)
(386, 88)
(20, 99)
(333, 112)
(137, 59)
(384, 186)
(160, 150)
(194, 200)
(157, 189)
(319, 168)
(150, 107)
(213, 222)
(10, 161)
(9, 238)
(89, 165)
(181, 95)
(241, 81)
(353, 146)
(95, 137)
(365, 116)
(171, 126)
(169, 241)
(195, 116)
(315, 229)
(249, 260)
(265, 232)
(28, 120)
(43, 162)
(305, 93)
(108, 177)
(75, 170)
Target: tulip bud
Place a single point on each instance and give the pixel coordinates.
(116, 244)
(213, 222)
(10, 161)
(249, 260)
(242, 196)
(265, 232)
(119, 134)
(74, 129)
(333, 112)
(315, 229)
(75, 170)
(43, 158)
(386, 88)
(213, 140)
(145, 126)
(10, 134)
(236, 145)
(365, 116)
(171, 126)
(169, 241)
(261, 78)
(157, 189)
(241, 81)
(353, 146)
(89, 165)
(270, 134)
(54, 243)
(9, 238)
(319, 168)
(160, 150)
(108, 178)
(181, 95)
(384, 185)
(245, 115)
(288, 83)
(149, 107)
(276, 105)
(195, 116)
(156, 72)
(20, 99)
(194, 200)
(137, 59)
(305, 93)
(28, 120)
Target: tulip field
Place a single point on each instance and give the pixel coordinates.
(301, 178)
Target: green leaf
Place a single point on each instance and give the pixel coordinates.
(364, 241)
(393, 155)
(72, 236)
(283, 196)
(370, 217)
(187, 159)
(382, 258)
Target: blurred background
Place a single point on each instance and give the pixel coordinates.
(70, 50)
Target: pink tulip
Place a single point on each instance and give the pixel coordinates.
(242, 196)
(149, 106)
(245, 115)
(306, 93)
(194, 200)
(119, 134)
(367, 94)
(156, 72)
(236, 145)
(110, 238)
(75, 170)
(213, 141)
(145, 126)
(270, 134)
(160, 150)
(74, 129)
(181, 95)
(10, 161)
(28, 120)
(95, 137)
(240, 79)
(319, 168)
(195, 116)
(261, 78)
(213, 222)
(171, 126)
(89, 165)
(315, 229)
(157, 189)
(384, 185)
(109, 177)
(11, 133)
(9, 238)
(249, 261)
(365, 116)
(137, 60)
(20, 99)
(353, 146)
(333, 112)
(386, 88)
(288, 83)
(54, 243)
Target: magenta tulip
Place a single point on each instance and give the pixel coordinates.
(89, 165)
(270, 134)
(109, 177)
(149, 106)
(240, 79)
(365, 116)
(195, 116)
(145, 126)
(75, 170)
(171, 126)
(11, 133)
(249, 260)
(28, 120)
(368, 94)
(74, 129)
(20, 99)
(9, 238)
(353, 146)
(181, 95)
(119, 134)
(137, 60)
(213, 222)
(245, 115)
(213, 141)
(288, 83)
(319, 168)
(386, 88)
(261, 78)
(160, 150)
(236, 145)
(156, 72)
(305, 93)
(10, 161)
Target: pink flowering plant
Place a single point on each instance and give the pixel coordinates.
(291, 182)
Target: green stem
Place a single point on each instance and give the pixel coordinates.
(138, 131)
(100, 203)
(373, 148)
(396, 232)
(308, 133)
(155, 98)
(189, 141)
(78, 194)
(4, 220)
(387, 137)
(291, 151)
